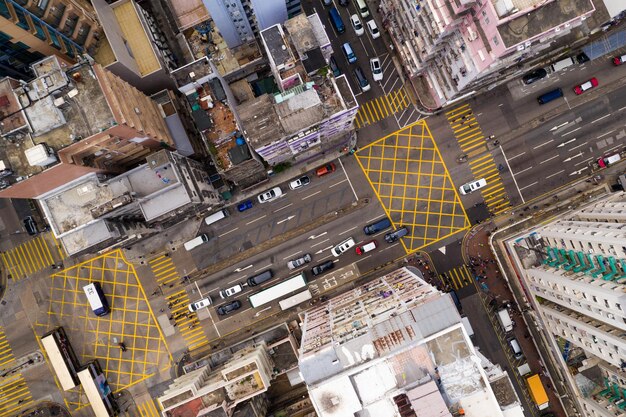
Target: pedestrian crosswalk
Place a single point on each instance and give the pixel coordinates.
(14, 395)
(382, 107)
(32, 256)
(457, 278)
(474, 145)
(178, 301)
(6, 354)
(146, 409)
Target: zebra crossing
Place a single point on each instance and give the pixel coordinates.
(457, 278)
(32, 256)
(14, 395)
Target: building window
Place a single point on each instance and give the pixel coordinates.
(21, 19)
(55, 40)
(4, 10)
(486, 21)
(39, 30)
(496, 41)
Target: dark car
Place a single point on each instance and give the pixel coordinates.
(321, 268)
(343, 3)
(228, 307)
(334, 68)
(30, 225)
(582, 58)
(244, 206)
(396, 234)
(535, 75)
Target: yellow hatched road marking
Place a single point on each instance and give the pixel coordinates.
(148, 409)
(14, 395)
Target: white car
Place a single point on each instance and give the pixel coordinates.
(343, 246)
(231, 291)
(371, 25)
(472, 186)
(357, 25)
(205, 302)
(300, 182)
(377, 70)
(270, 195)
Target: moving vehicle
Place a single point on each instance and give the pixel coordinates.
(270, 195)
(581, 58)
(537, 392)
(260, 278)
(348, 52)
(96, 299)
(278, 290)
(30, 225)
(470, 187)
(535, 75)
(323, 267)
(377, 70)
(562, 64)
(333, 67)
(371, 25)
(579, 89)
(362, 8)
(326, 169)
(335, 19)
(61, 356)
(196, 241)
(396, 234)
(619, 60)
(244, 205)
(299, 183)
(97, 390)
(366, 247)
(605, 161)
(298, 262)
(357, 25)
(342, 247)
(228, 292)
(229, 307)
(550, 95)
(205, 302)
(215, 217)
(377, 226)
(361, 79)
(294, 300)
(504, 319)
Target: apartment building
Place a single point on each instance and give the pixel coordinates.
(71, 121)
(449, 48)
(31, 31)
(314, 112)
(574, 271)
(396, 347)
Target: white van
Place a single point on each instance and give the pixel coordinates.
(505, 320)
(217, 216)
(96, 299)
(562, 64)
(362, 7)
(196, 241)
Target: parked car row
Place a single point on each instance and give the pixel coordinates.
(370, 245)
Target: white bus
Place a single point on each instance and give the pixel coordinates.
(96, 298)
(97, 390)
(62, 357)
(278, 290)
(294, 300)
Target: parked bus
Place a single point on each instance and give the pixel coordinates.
(277, 291)
(96, 298)
(294, 300)
(62, 357)
(97, 390)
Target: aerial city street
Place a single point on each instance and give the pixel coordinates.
(297, 208)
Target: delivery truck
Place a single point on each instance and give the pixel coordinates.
(537, 392)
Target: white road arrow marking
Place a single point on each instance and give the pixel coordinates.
(243, 269)
(285, 220)
(565, 143)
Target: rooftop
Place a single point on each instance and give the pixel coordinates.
(530, 23)
(277, 47)
(302, 35)
(196, 72)
(188, 13)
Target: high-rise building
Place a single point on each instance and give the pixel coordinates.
(32, 30)
(448, 48)
(239, 21)
(574, 274)
(71, 121)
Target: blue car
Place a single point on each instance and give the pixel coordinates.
(245, 205)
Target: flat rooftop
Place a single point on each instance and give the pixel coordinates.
(301, 33)
(135, 35)
(198, 71)
(542, 19)
(188, 13)
(276, 45)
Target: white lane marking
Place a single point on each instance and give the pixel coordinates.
(524, 170)
(389, 247)
(621, 108)
(257, 219)
(571, 131)
(284, 207)
(337, 183)
(513, 157)
(373, 219)
(604, 134)
(364, 258)
(556, 173)
(349, 230)
(512, 175)
(586, 161)
(262, 268)
(311, 195)
(320, 242)
(529, 185)
(230, 231)
(238, 280)
(292, 255)
(325, 257)
(356, 197)
(549, 159)
(600, 118)
(543, 144)
(577, 146)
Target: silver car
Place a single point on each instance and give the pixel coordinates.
(270, 195)
(296, 263)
